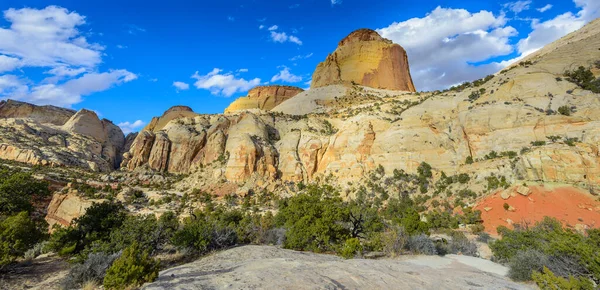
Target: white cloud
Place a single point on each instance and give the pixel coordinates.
(274, 27)
(299, 57)
(286, 76)
(334, 2)
(261, 26)
(225, 84)
(242, 70)
(548, 31)
(282, 37)
(181, 86)
(65, 94)
(442, 46)
(8, 63)
(119, 46)
(545, 8)
(518, 6)
(47, 37)
(128, 127)
(153, 80)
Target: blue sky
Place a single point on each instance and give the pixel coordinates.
(131, 60)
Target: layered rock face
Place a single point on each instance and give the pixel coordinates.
(363, 128)
(46, 135)
(41, 114)
(263, 98)
(366, 58)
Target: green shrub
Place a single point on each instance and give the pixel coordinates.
(524, 263)
(548, 281)
(93, 269)
(351, 248)
(565, 251)
(424, 170)
(564, 110)
(469, 160)
(18, 233)
(463, 178)
(132, 269)
(314, 220)
(538, 143)
(585, 79)
(18, 189)
(421, 244)
(394, 240)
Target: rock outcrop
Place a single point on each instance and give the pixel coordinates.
(41, 114)
(366, 58)
(64, 208)
(263, 98)
(175, 112)
(267, 267)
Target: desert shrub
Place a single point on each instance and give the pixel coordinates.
(546, 280)
(564, 110)
(524, 263)
(394, 241)
(565, 251)
(149, 232)
(484, 237)
(274, 236)
(584, 78)
(403, 212)
(202, 235)
(460, 244)
(421, 244)
(424, 170)
(93, 269)
(463, 178)
(469, 160)
(351, 248)
(37, 249)
(18, 189)
(314, 220)
(18, 233)
(538, 143)
(132, 269)
(95, 226)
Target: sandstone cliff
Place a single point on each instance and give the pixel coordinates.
(366, 58)
(263, 98)
(157, 123)
(349, 135)
(41, 114)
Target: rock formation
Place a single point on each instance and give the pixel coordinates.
(41, 114)
(175, 112)
(263, 98)
(355, 129)
(366, 58)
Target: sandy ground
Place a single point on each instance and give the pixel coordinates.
(575, 208)
(265, 267)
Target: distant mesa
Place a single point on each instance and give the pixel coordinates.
(263, 98)
(366, 58)
(41, 114)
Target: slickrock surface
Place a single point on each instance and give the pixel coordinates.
(264, 267)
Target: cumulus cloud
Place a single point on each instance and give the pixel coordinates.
(261, 26)
(70, 92)
(286, 76)
(8, 63)
(242, 70)
(224, 84)
(128, 127)
(545, 8)
(49, 38)
(282, 37)
(274, 27)
(181, 86)
(443, 46)
(518, 6)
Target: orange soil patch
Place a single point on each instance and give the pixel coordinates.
(573, 207)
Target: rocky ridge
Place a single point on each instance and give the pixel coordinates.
(263, 98)
(366, 58)
(362, 128)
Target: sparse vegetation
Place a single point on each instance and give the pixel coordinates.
(584, 78)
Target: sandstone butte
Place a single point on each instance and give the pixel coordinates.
(264, 98)
(366, 58)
